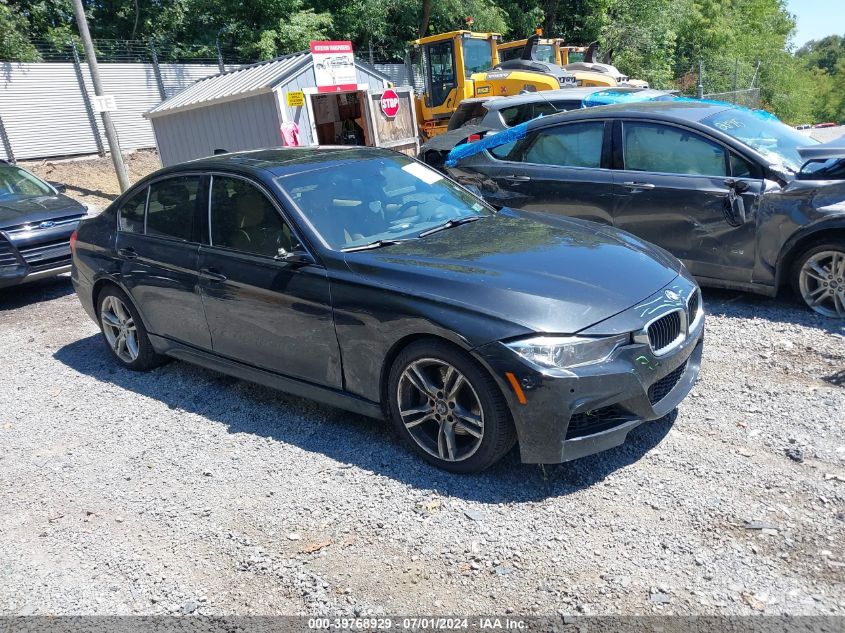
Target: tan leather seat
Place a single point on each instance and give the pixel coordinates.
(252, 224)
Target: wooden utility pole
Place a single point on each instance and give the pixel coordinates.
(108, 126)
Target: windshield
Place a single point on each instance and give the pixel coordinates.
(544, 53)
(355, 202)
(17, 184)
(478, 55)
(763, 132)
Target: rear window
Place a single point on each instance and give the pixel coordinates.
(515, 115)
(467, 113)
(172, 207)
(130, 217)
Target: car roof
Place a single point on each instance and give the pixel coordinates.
(281, 160)
(683, 110)
(574, 94)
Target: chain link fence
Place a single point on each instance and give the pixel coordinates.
(730, 80)
(140, 51)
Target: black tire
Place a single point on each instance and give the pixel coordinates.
(829, 306)
(146, 356)
(498, 434)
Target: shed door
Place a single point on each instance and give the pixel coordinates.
(398, 132)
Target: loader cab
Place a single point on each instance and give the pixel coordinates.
(571, 54)
(545, 50)
(449, 60)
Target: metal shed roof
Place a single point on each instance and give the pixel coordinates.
(246, 81)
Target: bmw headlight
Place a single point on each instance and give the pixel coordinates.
(565, 352)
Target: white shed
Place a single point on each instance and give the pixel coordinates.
(246, 109)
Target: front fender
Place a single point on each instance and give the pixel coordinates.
(806, 235)
(373, 322)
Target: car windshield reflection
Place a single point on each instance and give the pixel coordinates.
(18, 184)
(354, 203)
(763, 132)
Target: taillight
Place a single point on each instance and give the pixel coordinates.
(473, 137)
(73, 237)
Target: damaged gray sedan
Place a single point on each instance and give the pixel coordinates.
(743, 200)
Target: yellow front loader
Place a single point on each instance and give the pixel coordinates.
(579, 60)
(461, 65)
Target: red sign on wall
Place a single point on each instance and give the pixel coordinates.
(334, 66)
(390, 103)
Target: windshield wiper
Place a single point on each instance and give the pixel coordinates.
(371, 245)
(451, 224)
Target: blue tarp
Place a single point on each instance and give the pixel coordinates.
(488, 142)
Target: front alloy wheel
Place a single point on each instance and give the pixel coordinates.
(440, 410)
(821, 280)
(447, 408)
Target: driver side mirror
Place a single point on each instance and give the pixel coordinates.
(297, 256)
(734, 206)
(58, 186)
(740, 186)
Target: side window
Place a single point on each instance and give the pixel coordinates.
(172, 209)
(665, 149)
(566, 106)
(572, 145)
(515, 115)
(130, 217)
(502, 151)
(243, 219)
(741, 168)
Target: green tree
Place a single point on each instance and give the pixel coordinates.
(15, 40)
(641, 35)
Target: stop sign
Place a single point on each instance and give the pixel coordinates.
(390, 103)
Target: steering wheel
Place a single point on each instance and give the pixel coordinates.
(397, 215)
(442, 212)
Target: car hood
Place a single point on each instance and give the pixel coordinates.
(831, 149)
(40, 209)
(546, 273)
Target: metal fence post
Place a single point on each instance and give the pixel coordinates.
(7, 145)
(220, 65)
(157, 72)
(736, 74)
(699, 91)
(89, 109)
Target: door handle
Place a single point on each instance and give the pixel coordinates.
(638, 185)
(212, 275)
(518, 178)
(127, 253)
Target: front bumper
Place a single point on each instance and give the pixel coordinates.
(31, 254)
(575, 413)
(13, 276)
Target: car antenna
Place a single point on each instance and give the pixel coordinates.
(554, 107)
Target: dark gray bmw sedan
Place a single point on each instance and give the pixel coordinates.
(367, 280)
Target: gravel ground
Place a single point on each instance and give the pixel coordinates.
(92, 181)
(182, 490)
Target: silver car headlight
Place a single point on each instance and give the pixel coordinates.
(566, 352)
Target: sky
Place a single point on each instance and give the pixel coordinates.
(817, 18)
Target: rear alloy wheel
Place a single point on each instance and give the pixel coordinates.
(124, 333)
(820, 279)
(448, 409)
